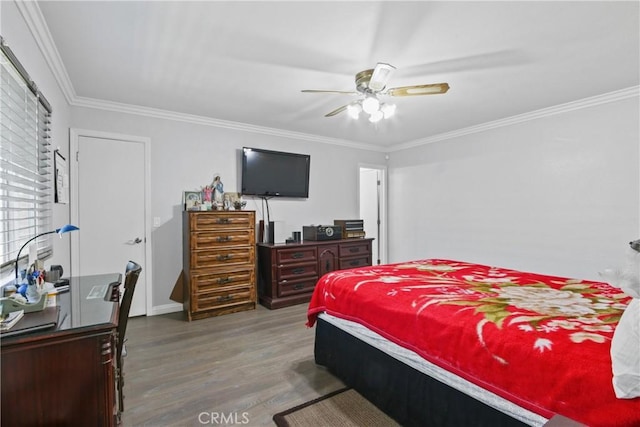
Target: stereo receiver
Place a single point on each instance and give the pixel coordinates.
(322, 232)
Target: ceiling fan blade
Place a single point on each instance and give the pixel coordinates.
(380, 76)
(337, 111)
(431, 89)
(345, 92)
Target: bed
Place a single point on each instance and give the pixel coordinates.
(443, 342)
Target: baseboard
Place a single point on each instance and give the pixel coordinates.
(164, 309)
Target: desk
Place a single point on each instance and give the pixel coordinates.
(65, 375)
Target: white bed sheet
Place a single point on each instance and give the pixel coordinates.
(412, 359)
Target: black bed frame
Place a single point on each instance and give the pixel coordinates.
(410, 397)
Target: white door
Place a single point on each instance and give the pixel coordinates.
(372, 210)
(110, 208)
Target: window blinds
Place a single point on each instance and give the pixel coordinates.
(25, 162)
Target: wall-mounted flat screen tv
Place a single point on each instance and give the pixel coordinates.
(269, 173)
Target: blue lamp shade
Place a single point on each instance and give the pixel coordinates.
(60, 231)
(66, 229)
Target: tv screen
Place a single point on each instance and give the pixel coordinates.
(274, 173)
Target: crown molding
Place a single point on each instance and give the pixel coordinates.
(226, 124)
(606, 98)
(38, 27)
(208, 121)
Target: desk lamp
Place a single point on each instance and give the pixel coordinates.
(60, 231)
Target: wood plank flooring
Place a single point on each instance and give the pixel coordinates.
(236, 369)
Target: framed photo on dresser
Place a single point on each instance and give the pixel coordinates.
(192, 200)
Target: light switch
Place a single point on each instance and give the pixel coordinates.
(156, 221)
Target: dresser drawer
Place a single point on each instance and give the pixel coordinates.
(294, 271)
(222, 257)
(297, 255)
(204, 282)
(222, 220)
(221, 238)
(355, 248)
(223, 297)
(355, 262)
(299, 286)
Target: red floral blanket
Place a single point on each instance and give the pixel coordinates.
(542, 342)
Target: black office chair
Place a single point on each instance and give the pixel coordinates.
(132, 273)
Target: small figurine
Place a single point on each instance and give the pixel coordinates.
(218, 188)
(207, 192)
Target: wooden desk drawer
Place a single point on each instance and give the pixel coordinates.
(223, 297)
(355, 248)
(220, 238)
(294, 271)
(222, 257)
(297, 255)
(222, 220)
(346, 263)
(299, 286)
(211, 281)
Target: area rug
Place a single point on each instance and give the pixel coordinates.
(344, 407)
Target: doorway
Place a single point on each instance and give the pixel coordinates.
(109, 200)
(373, 209)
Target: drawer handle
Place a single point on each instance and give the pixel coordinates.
(223, 280)
(298, 286)
(298, 270)
(222, 239)
(225, 257)
(297, 255)
(223, 220)
(224, 298)
(354, 263)
(354, 250)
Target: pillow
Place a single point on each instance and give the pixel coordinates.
(625, 353)
(626, 278)
(625, 345)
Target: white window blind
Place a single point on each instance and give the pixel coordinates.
(25, 163)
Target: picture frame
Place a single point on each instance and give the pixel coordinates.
(232, 197)
(192, 200)
(61, 178)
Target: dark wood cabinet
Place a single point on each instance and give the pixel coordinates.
(219, 262)
(287, 273)
(66, 375)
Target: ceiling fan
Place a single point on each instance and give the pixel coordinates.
(371, 84)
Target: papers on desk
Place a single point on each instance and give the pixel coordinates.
(11, 319)
(34, 321)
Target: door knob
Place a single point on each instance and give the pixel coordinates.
(138, 240)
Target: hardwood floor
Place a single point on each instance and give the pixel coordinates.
(236, 369)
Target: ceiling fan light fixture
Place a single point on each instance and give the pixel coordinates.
(373, 82)
(376, 116)
(354, 110)
(370, 104)
(388, 110)
(380, 76)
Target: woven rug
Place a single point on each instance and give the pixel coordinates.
(344, 407)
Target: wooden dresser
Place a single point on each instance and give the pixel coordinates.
(219, 262)
(287, 273)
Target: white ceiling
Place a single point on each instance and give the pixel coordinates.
(247, 62)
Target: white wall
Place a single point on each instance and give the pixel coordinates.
(184, 156)
(16, 34)
(557, 195)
